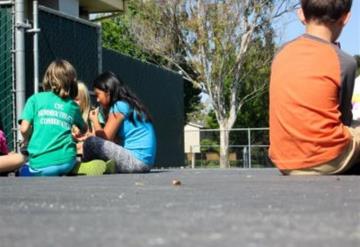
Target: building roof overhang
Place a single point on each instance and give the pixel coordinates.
(102, 6)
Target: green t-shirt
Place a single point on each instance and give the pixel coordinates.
(51, 117)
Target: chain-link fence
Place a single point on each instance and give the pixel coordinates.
(6, 72)
(248, 147)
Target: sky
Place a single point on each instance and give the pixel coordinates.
(288, 28)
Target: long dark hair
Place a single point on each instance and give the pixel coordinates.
(110, 83)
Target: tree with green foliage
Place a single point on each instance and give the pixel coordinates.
(254, 112)
(116, 36)
(214, 39)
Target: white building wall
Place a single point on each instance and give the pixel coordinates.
(70, 7)
(53, 4)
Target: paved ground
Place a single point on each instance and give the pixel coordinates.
(234, 207)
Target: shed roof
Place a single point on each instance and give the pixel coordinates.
(195, 125)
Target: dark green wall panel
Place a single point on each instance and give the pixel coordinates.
(162, 92)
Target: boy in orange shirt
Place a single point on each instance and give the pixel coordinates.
(311, 87)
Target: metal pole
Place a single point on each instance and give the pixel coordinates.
(249, 147)
(19, 60)
(36, 44)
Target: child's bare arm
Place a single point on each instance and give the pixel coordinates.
(26, 130)
(11, 161)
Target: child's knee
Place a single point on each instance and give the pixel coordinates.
(89, 142)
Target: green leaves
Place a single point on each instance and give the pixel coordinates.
(116, 36)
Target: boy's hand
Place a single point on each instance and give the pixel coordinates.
(78, 137)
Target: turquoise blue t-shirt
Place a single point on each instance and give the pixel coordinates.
(138, 138)
(52, 118)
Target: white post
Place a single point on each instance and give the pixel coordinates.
(192, 158)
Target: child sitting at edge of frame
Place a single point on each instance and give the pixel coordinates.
(311, 87)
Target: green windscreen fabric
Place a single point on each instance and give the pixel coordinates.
(63, 37)
(162, 93)
(6, 74)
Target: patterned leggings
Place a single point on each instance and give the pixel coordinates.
(97, 148)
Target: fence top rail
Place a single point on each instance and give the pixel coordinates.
(6, 3)
(234, 129)
(69, 17)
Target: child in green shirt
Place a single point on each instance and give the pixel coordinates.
(47, 121)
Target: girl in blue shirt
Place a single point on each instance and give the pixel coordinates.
(128, 136)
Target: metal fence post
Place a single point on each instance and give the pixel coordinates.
(36, 31)
(20, 79)
(249, 146)
(246, 145)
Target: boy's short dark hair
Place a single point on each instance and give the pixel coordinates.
(325, 11)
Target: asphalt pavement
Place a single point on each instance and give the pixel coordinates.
(235, 207)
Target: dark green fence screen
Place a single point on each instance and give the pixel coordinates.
(162, 92)
(6, 73)
(64, 37)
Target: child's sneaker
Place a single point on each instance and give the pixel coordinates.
(90, 168)
(110, 167)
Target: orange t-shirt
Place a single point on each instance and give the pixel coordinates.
(310, 100)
